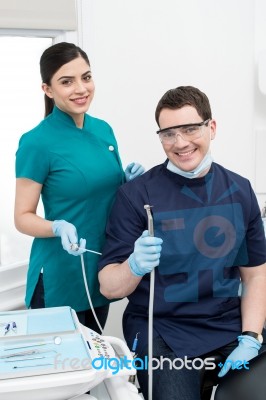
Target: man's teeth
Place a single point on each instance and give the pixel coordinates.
(186, 154)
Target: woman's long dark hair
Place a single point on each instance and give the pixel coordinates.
(52, 59)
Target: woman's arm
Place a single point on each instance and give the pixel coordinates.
(26, 202)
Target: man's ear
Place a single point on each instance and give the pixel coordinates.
(47, 90)
(213, 129)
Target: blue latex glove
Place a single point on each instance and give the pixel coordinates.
(247, 349)
(146, 255)
(133, 170)
(68, 234)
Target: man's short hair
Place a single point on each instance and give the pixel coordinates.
(185, 96)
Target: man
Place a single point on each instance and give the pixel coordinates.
(208, 236)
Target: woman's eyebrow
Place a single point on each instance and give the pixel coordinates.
(71, 77)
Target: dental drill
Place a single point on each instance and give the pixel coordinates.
(151, 303)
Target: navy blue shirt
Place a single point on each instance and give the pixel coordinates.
(209, 226)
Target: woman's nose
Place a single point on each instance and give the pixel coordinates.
(80, 87)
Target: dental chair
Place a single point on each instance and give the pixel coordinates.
(244, 384)
(209, 378)
(236, 384)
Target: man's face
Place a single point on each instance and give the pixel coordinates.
(184, 154)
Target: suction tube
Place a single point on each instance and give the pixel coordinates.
(151, 303)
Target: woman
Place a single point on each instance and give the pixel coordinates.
(71, 161)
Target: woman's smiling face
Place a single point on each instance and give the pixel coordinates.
(72, 89)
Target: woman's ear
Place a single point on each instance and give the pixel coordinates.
(47, 90)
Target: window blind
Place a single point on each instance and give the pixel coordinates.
(38, 14)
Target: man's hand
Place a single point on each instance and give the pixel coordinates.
(146, 255)
(247, 349)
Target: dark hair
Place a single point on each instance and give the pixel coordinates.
(52, 59)
(185, 96)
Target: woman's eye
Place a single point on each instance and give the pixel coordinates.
(87, 78)
(66, 82)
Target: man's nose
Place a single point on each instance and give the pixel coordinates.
(179, 135)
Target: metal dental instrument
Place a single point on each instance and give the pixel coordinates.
(27, 353)
(27, 366)
(26, 359)
(57, 340)
(150, 220)
(151, 301)
(75, 247)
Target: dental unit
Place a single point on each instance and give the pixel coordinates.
(53, 357)
(46, 354)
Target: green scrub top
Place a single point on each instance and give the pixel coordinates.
(80, 170)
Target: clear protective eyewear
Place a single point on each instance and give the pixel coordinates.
(187, 132)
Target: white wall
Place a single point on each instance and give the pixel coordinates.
(260, 99)
(139, 49)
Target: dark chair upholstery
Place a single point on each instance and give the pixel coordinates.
(209, 378)
(239, 384)
(244, 384)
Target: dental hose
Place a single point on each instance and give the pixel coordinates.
(88, 293)
(73, 247)
(150, 333)
(151, 303)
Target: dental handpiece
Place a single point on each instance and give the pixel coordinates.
(75, 247)
(150, 219)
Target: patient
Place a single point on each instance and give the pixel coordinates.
(208, 235)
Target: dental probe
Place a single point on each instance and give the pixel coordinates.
(75, 247)
(26, 359)
(57, 340)
(28, 366)
(26, 353)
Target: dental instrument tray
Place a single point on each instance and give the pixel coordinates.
(47, 354)
(42, 340)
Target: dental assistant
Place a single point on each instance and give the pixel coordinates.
(71, 162)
